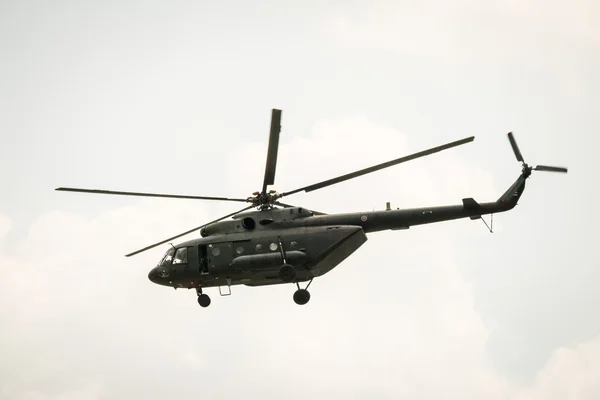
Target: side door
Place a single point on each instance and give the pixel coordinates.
(203, 259)
(219, 256)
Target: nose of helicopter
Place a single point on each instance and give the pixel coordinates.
(153, 275)
(157, 274)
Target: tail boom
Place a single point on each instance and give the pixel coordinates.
(375, 221)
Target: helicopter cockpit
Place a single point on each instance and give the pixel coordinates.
(174, 256)
(163, 269)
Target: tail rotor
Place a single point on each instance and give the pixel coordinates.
(526, 168)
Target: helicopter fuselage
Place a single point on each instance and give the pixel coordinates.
(251, 248)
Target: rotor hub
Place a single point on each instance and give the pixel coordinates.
(526, 170)
(264, 201)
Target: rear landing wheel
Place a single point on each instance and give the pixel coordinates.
(287, 273)
(301, 297)
(204, 300)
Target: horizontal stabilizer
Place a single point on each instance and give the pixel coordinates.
(470, 204)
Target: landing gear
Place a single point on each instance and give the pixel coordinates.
(203, 299)
(287, 273)
(302, 296)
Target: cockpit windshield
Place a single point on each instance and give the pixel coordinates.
(168, 257)
(181, 256)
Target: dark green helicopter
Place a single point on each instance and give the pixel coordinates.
(289, 244)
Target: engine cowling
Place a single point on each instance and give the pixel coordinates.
(225, 227)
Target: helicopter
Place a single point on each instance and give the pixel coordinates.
(278, 243)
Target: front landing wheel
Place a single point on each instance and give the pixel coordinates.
(204, 300)
(301, 297)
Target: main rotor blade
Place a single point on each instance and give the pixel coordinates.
(272, 150)
(365, 171)
(549, 168)
(185, 233)
(515, 148)
(175, 196)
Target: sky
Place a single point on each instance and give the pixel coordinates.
(176, 97)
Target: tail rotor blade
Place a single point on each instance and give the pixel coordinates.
(550, 169)
(515, 148)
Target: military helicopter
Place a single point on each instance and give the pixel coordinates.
(280, 243)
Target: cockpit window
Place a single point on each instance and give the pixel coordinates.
(181, 256)
(166, 260)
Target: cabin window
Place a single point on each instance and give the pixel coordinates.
(258, 247)
(181, 256)
(239, 250)
(168, 257)
(273, 246)
(216, 251)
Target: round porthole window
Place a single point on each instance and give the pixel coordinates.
(239, 250)
(258, 247)
(273, 246)
(216, 251)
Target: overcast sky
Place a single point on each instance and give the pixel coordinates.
(176, 97)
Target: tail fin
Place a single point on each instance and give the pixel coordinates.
(513, 194)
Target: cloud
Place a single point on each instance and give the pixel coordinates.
(396, 320)
(570, 373)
